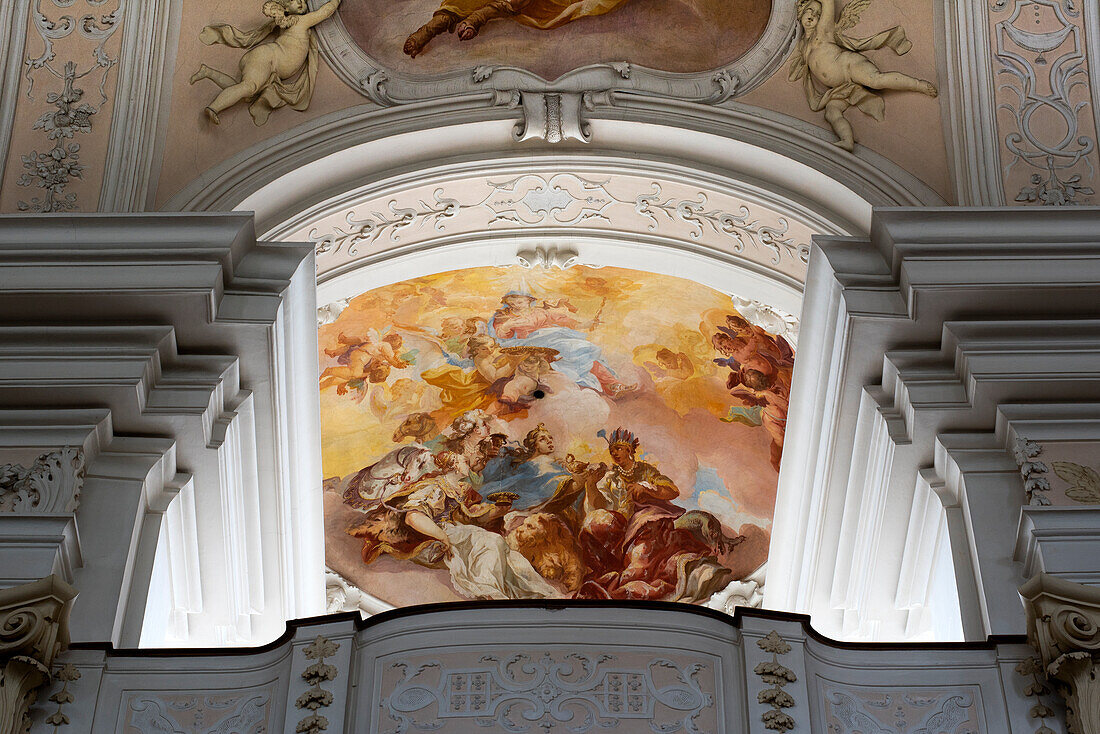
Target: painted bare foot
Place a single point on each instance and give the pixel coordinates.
(199, 75)
(213, 116)
(466, 30)
(929, 88)
(621, 389)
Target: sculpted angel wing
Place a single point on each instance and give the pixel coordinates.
(1085, 481)
(849, 16)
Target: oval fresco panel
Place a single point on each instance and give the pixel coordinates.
(590, 433)
(552, 37)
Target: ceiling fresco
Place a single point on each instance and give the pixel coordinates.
(551, 37)
(505, 432)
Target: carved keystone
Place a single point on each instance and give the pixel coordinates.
(1063, 620)
(34, 628)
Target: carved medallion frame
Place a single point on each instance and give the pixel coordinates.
(388, 87)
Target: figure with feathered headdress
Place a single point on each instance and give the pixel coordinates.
(834, 71)
(630, 537)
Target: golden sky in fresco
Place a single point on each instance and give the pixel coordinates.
(651, 335)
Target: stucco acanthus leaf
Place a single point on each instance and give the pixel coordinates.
(515, 692)
(33, 631)
(328, 314)
(1036, 485)
(1024, 54)
(50, 485)
(315, 674)
(1083, 480)
(1064, 626)
(773, 673)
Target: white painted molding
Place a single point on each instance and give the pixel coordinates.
(150, 35)
(13, 31)
(969, 103)
(386, 86)
(698, 660)
(865, 419)
(237, 399)
(323, 159)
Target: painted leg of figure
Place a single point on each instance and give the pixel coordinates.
(491, 10)
(834, 115)
(609, 383)
(441, 22)
(220, 78)
(869, 76)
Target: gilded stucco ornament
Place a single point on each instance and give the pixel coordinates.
(34, 621)
(835, 72)
(273, 73)
(1064, 625)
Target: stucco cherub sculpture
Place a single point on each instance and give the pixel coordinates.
(274, 73)
(834, 72)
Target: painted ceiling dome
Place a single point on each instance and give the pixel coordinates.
(526, 433)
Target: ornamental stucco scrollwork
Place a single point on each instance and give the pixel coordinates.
(34, 621)
(50, 485)
(208, 712)
(522, 692)
(1043, 71)
(627, 204)
(53, 170)
(388, 86)
(901, 711)
(739, 226)
(1064, 626)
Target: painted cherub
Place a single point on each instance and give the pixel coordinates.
(273, 74)
(362, 362)
(835, 73)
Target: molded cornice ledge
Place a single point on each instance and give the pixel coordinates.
(873, 315)
(34, 620)
(1064, 624)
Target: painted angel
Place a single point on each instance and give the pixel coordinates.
(362, 362)
(834, 71)
(274, 73)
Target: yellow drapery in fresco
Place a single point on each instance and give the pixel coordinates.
(459, 390)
